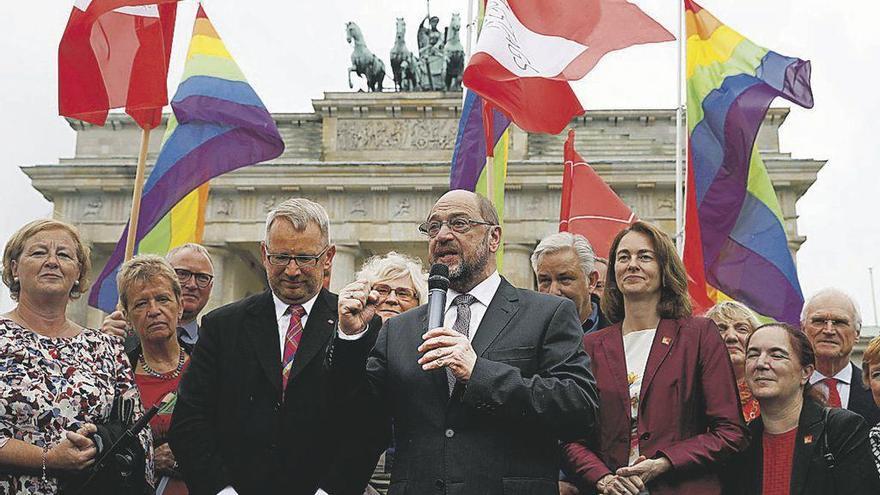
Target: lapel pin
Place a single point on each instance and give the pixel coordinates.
(329, 322)
(665, 341)
(808, 439)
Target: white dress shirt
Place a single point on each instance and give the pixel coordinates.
(283, 317)
(844, 379)
(483, 292)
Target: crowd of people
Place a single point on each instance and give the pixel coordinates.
(601, 381)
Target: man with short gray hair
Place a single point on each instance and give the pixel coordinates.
(833, 323)
(255, 413)
(564, 265)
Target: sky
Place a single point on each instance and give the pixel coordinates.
(291, 52)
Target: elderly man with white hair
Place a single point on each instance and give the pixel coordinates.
(565, 265)
(832, 321)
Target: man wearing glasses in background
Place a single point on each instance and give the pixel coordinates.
(195, 271)
(255, 414)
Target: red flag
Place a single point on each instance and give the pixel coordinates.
(115, 53)
(589, 207)
(529, 50)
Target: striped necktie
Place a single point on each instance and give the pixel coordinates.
(291, 341)
(462, 325)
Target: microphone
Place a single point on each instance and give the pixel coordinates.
(438, 282)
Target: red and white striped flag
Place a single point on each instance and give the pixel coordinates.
(528, 51)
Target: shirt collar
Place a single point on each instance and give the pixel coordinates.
(844, 375)
(281, 306)
(191, 329)
(593, 319)
(483, 292)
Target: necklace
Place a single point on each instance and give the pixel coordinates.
(170, 375)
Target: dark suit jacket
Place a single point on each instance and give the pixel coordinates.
(860, 399)
(531, 386)
(689, 408)
(230, 426)
(847, 434)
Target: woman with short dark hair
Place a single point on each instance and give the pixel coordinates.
(798, 446)
(669, 407)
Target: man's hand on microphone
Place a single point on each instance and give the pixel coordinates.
(357, 306)
(443, 347)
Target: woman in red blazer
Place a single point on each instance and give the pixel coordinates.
(669, 408)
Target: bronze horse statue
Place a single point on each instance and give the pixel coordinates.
(454, 55)
(363, 61)
(403, 63)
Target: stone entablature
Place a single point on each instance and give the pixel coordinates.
(377, 162)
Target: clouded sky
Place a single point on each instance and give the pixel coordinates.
(292, 51)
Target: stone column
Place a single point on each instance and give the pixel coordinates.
(517, 267)
(344, 266)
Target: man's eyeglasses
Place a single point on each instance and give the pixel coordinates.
(202, 279)
(459, 225)
(301, 260)
(402, 293)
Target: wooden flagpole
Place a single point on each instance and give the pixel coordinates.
(136, 194)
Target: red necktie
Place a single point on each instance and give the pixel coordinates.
(833, 394)
(291, 341)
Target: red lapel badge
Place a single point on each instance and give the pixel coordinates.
(808, 439)
(665, 340)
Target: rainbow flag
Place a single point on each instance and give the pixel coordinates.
(735, 243)
(218, 124)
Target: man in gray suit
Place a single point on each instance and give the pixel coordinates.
(478, 405)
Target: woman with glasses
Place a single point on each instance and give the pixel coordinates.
(400, 284)
(150, 296)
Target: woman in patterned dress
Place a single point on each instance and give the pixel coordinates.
(59, 379)
(149, 292)
(736, 322)
(670, 412)
(871, 369)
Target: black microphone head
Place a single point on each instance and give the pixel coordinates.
(439, 277)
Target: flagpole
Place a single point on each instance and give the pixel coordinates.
(679, 167)
(136, 194)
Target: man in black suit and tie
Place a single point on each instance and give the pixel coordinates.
(832, 321)
(478, 405)
(255, 411)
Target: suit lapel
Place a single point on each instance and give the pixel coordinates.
(612, 348)
(266, 339)
(316, 333)
(498, 314)
(664, 339)
(809, 438)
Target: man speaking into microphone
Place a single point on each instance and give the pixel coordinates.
(479, 403)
